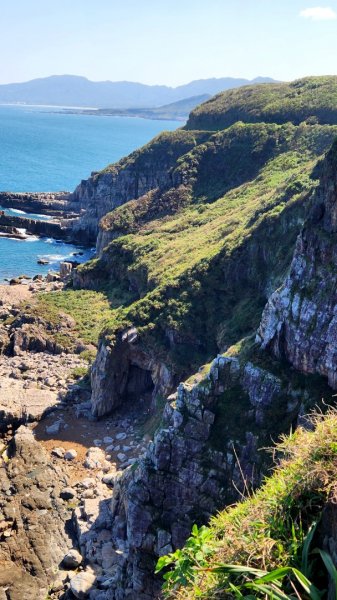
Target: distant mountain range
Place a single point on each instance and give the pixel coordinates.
(71, 90)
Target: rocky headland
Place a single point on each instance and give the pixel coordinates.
(141, 390)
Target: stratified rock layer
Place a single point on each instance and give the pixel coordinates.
(132, 177)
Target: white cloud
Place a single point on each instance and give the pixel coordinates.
(319, 13)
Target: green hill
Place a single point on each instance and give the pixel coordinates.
(233, 198)
(312, 99)
(193, 261)
(203, 231)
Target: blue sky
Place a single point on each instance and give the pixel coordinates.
(167, 41)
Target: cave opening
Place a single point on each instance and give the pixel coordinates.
(140, 385)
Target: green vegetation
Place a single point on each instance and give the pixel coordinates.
(79, 372)
(190, 268)
(89, 309)
(312, 99)
(161, 152)
(245, 546)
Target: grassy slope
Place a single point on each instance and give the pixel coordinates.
(201, 257)
(164, 149)
(183, 264)
(268, 529)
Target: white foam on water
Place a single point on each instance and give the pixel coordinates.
(19, 212)
(56, 257)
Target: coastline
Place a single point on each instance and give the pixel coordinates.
(146, 113)
(51, 230)
(129, 115)
(25, 105)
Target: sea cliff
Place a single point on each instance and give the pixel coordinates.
(208, 318)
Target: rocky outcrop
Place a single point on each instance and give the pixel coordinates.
(144, 170)
(38, 359)
(33, 538)
(123, 371)
(299, 322)
(11, 232)
(205, 454)
(52, 203)
(32, 384)
(104, 237)
(103, 192)
(35, 227)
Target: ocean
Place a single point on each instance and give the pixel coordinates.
(45, 149)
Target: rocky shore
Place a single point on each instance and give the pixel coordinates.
(58, 463)
(62, 209)
(49, 203)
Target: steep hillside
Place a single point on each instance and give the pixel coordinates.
(202, 247)
(143, 170)
(312, 101)
(207, 451)
(299, 321)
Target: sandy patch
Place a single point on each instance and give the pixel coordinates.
(14, 294)
(80, 434)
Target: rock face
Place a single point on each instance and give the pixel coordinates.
(33, 540)
(135, 175)
(21, 405)
(210, 436)
(123, 370)
(299, 322)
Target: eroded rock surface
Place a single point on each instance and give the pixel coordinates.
(210, 437)
(128, 179)
(123, 370)
(299, 322)
(33, 538)
(31, 384)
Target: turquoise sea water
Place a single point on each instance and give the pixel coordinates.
(43, 149)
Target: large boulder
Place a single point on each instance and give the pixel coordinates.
(34, 539)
